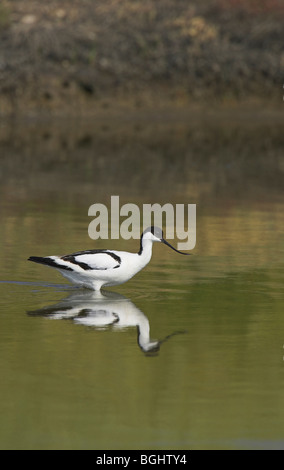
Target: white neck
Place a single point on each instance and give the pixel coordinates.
(145, 252)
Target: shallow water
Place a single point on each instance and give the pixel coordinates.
(186, 355)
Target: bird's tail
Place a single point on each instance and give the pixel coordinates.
(49, 261)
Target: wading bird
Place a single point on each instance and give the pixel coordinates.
(95, 269)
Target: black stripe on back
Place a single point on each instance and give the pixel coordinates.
(71, 259)
(49, 262)
(85, 266)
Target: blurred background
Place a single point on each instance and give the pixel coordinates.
(89, 54)
(143, 96)
(155, 101)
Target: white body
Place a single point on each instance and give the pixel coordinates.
(95, 269)
(105, 272)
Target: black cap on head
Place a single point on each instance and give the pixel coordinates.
(157, 231)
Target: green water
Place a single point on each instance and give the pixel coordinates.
(215, 378)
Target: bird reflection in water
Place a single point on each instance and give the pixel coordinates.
(102, 310)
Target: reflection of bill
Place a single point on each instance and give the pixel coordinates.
(101, 310)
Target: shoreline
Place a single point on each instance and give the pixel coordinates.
(143, 107)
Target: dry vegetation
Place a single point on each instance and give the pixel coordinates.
(58, 53)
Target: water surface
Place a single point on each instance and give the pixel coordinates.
(186, 355)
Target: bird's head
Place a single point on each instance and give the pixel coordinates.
(155, 234)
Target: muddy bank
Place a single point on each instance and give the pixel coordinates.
(87, 55)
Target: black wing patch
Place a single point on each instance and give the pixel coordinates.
(49, 262)
(72, 259)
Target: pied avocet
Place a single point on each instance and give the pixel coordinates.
(95, 269)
